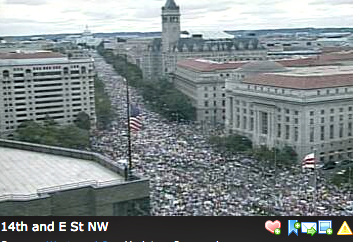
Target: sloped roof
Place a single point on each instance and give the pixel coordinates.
(170, 4)
(262, 66)
(301, 82)
(208, 66)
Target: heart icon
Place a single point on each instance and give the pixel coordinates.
(271, 226)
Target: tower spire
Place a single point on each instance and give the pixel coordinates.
(170, 4)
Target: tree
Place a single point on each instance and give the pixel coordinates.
(162, 96)
(83, 121)
(104, 111)
(49, 133)
(231, 144)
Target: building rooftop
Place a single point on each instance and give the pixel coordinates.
(203, 65)
(262, 66)
(306, 77)
(24, 172)
(31, 55)
(209, 34)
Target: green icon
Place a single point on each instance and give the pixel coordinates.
(277, 231)
(311, 231)
(329, 231)
(297, 225)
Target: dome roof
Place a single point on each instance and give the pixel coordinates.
(262, 66)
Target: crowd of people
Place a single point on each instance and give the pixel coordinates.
(188, 177)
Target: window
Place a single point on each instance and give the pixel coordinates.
(215, 103)
(264, 123)
(318, 92)
(223, 103)
(214, 95)
(337, 90)
(322, 131)
(205, 88)
(341, 117)
(311, 121)
(287, 119)
(332, 118)
(5, 74)
(287, 111)
(296, 121)
(349, 108)
(332, 110)
(350, 129)
(296, 112)
(66, 70)
(244, 110)
(244, 123)
(206, 95)
(287, 131)
(322, 111)
(296, 134)
(279, 117)
(206, 103)
(327, 91)
(238, 121)
(311, 113)
(341, 110)
(332, 131)
(312, 129)
(251, 124)
(340, 131)
(279, 130)
(322, 120)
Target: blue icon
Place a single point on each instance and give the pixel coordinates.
(308, 225)
(324, 225)
(291, 227)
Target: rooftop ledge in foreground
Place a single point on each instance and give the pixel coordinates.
(33, 171)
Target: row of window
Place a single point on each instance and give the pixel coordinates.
(284, 91)
(332, 110)
(332, 135)
(215, 103)
(6, 73)
(214, 95)
(46, 68)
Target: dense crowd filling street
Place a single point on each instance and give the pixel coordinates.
(187, 177)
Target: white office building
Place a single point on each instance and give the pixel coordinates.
(40, 84)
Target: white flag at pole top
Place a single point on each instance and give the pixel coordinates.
(309, 161)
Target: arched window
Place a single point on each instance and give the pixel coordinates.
(6, 73)
(66, 70)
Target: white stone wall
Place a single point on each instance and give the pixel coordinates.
(292, 116)
(206, 90)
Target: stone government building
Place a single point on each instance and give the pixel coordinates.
(308, 108)
(159, 56)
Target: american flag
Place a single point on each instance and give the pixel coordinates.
(309, 161)
(135, 118)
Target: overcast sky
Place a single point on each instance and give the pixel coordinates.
(24, 17)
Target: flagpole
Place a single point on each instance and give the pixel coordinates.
(128, 120)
